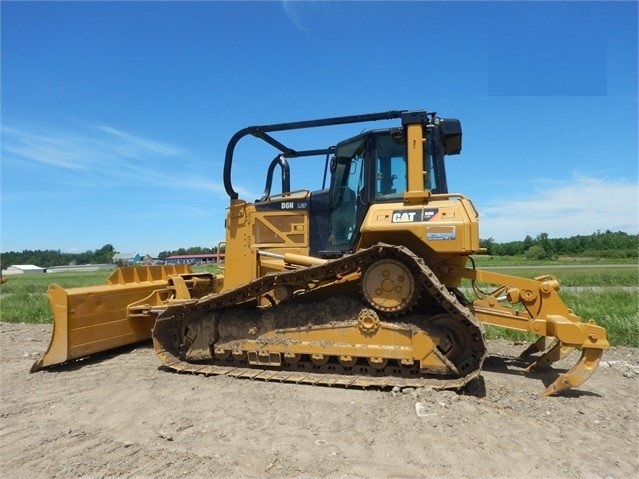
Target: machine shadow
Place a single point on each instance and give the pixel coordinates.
(98, 358)
(516, 367)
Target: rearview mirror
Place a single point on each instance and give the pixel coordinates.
(451, 135)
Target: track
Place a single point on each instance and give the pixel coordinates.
(189, 336)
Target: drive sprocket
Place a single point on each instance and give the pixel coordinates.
(388, 286)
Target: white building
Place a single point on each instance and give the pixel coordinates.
(23, 269)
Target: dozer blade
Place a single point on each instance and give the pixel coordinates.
(578, 374)
(93, 319)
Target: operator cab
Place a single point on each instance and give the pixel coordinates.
(378, 166)
(368, 168)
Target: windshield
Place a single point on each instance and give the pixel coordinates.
(390, 167)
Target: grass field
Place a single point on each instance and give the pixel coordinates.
(24, 297)
(582, 275)
(487, 261)
(615, 309)
(609, 295)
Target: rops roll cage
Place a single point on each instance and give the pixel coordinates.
(261, 132)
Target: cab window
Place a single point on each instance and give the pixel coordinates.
(390, 167)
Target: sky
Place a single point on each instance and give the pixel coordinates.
(115, 116)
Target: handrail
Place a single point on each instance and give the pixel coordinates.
(286, 176)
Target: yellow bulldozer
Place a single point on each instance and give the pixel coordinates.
(356, 284)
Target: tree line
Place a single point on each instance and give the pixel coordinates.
(605, 244)
(49, 257)
(188, 251)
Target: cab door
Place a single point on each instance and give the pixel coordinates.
(348, 195)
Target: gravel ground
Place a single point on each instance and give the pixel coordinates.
(121, 415)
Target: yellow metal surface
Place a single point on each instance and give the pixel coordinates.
(544, 314)
(445, 238)
(447, 234)
(578, 374)
(92, 319)
(390, 286)
(415, 192)
(442, 229)
(376, 340)
(253, 227)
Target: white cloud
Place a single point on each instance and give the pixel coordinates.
(135, 145)
(88, 148)
(102, 156)
(299, 11)
(293, 12)
(57, 151)
(581, 205)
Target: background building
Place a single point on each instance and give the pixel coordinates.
(193, 258)
(24, 269)
(127, 258)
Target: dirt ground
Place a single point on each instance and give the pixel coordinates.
(121, 415)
